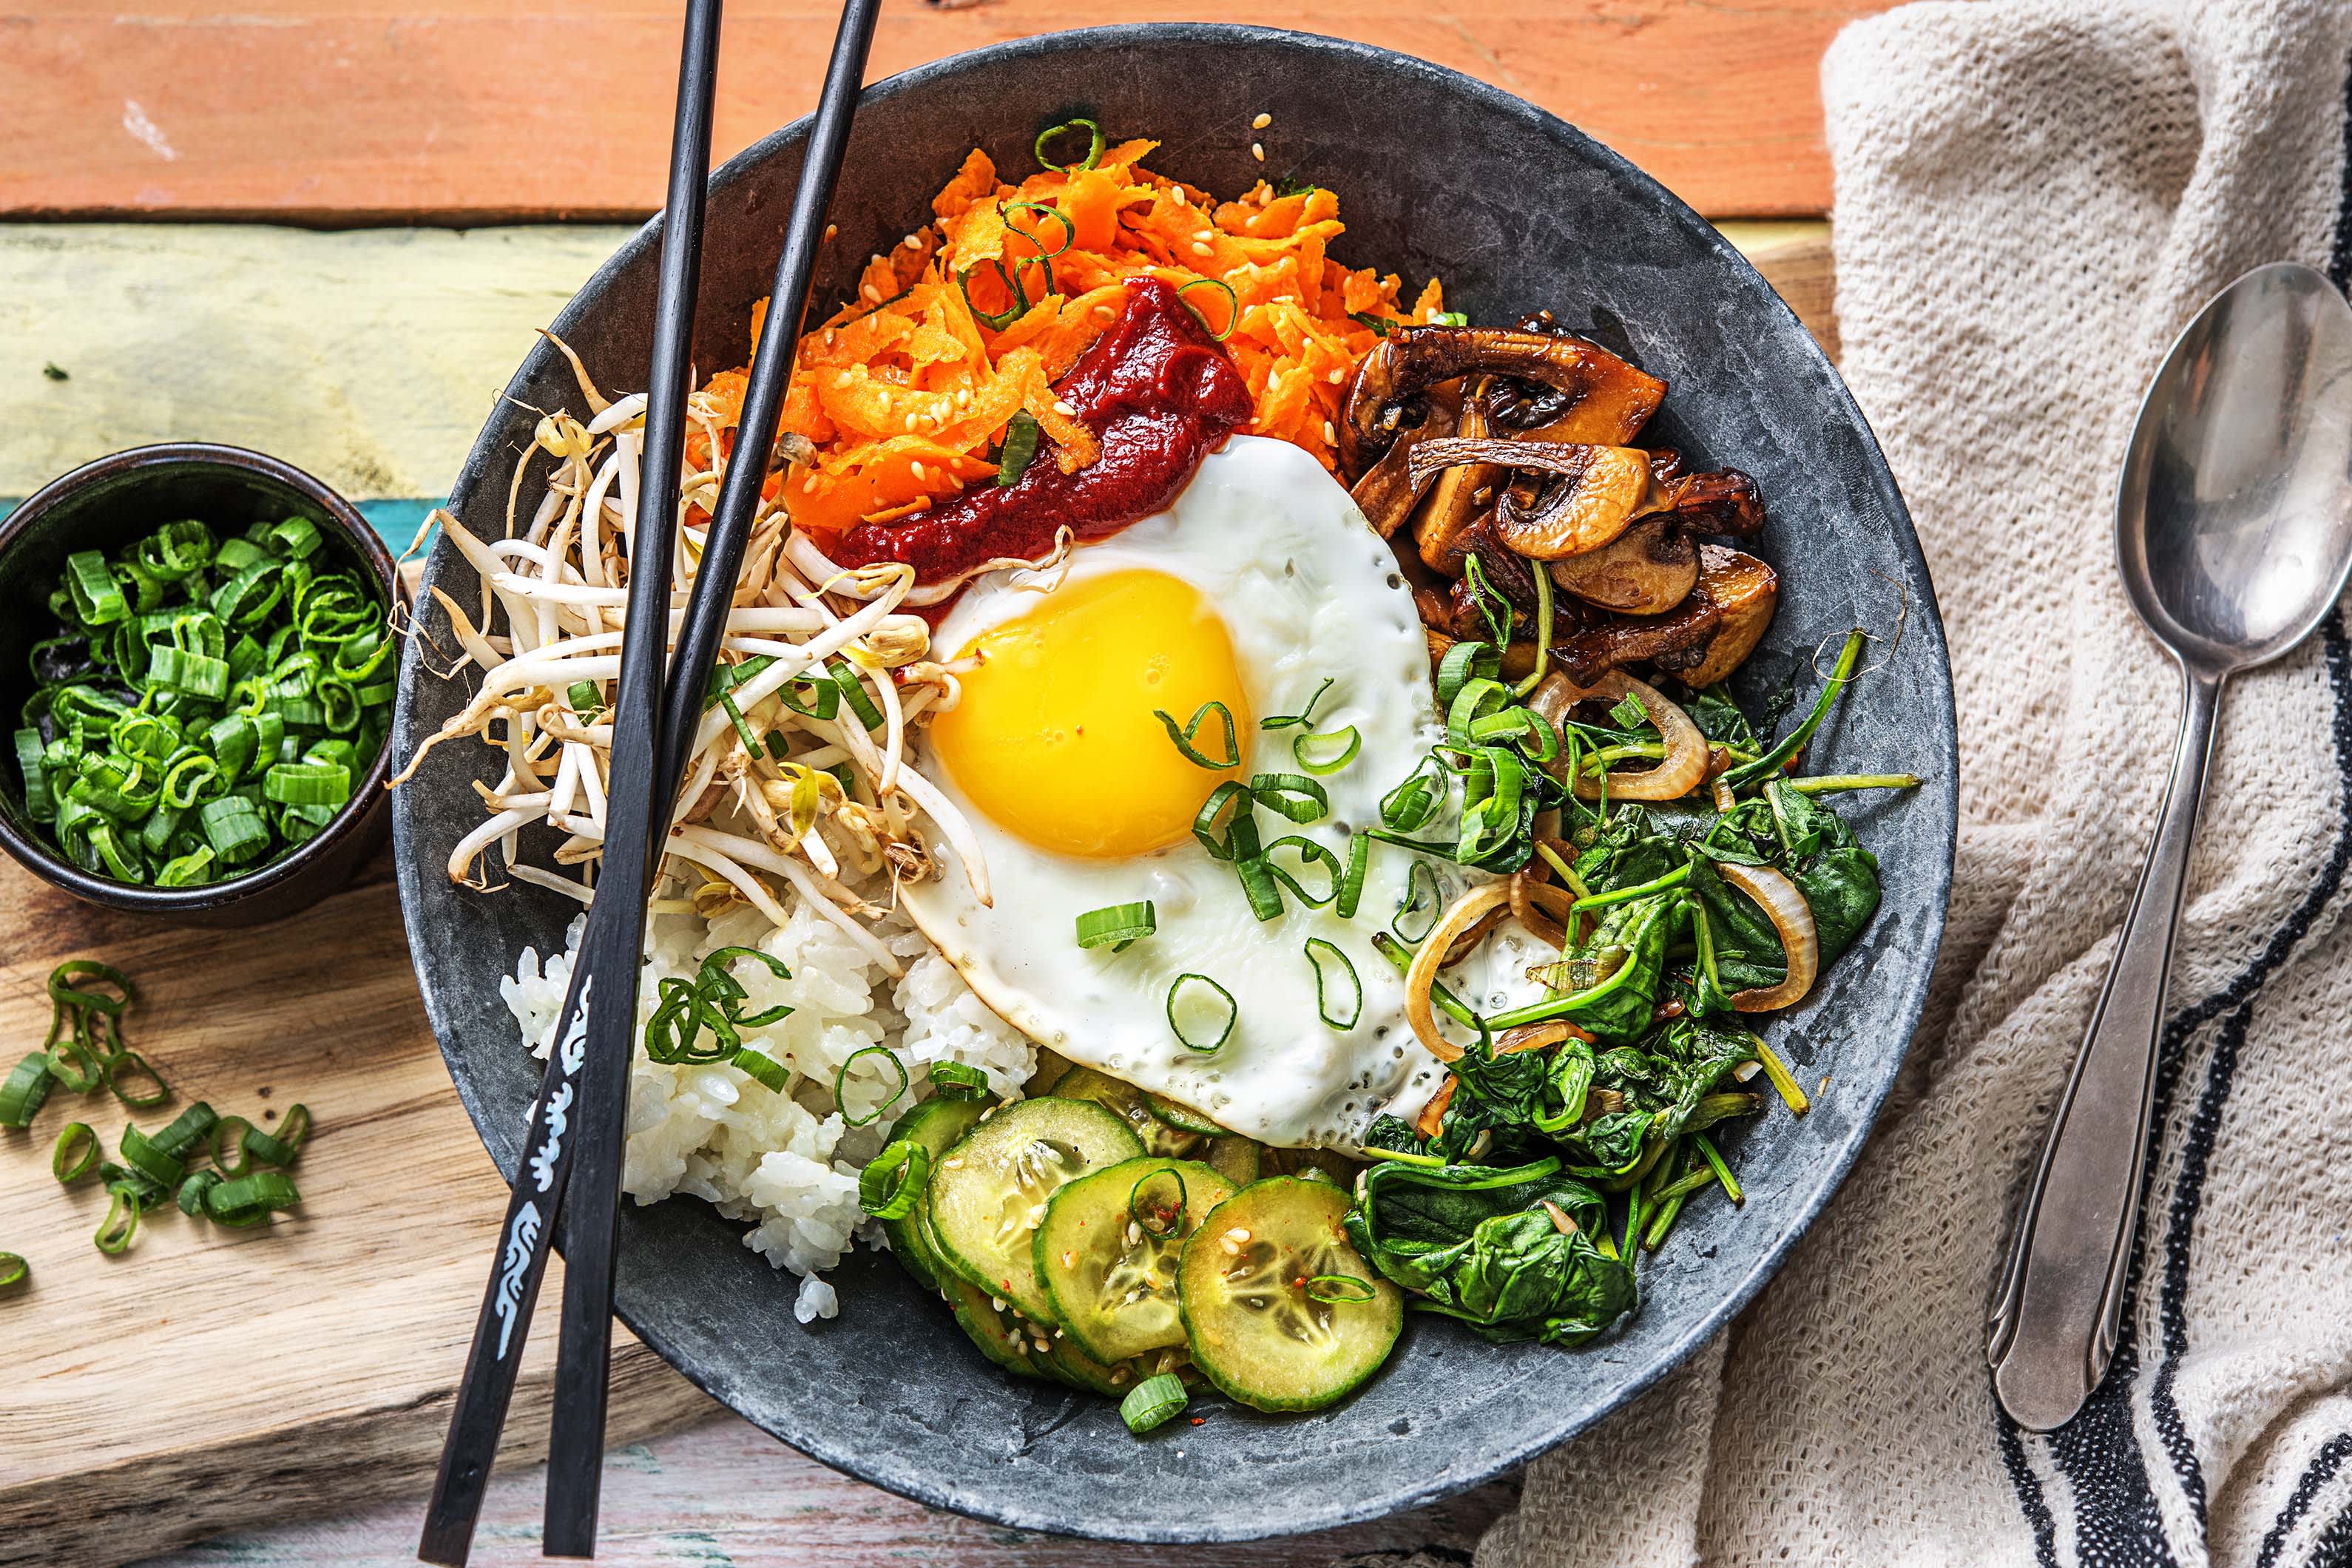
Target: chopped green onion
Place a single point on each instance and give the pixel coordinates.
(14, 1270)
(824, 701)
(841, 1084)
(1121, 925)
(120, 1226)
(1158, 1216)
(764, 1067)
(129, 1068)
(1318, 949)
(251, 1200)
(1339, 1289)
(1295, 795)
(1721, 1172)
(1020, 434)
(1462, 663)
(1258, 885)
(64, 991)
(187, 1130)
(1782, 1078)
(234, 828)
(958, 1081)
(1069, 229)
(1154, 1402)
(1094, 151)
(1351, 880)
(1233, 306)
(1192, 1041)
(853, 692)
(997, 321)
(24, 1089)
(1184, 738)
(76, 1152)
(1772, 761)
(586, 698)
(190, 1196)
(1448, 318)
(229, 1145)
(1326, 751)
(1310, 853)
(1301, 720)
(1240, 841)
(264, 1149)
(96, 601)
(1831, 783)
(893, 1182)
(143, 1156)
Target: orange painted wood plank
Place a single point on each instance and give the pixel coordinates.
(473, 111)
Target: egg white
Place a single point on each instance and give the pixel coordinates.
(1306, 592)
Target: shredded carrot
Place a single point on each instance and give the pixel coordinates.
(906, 390)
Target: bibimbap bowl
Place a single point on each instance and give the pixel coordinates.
(1439, 174)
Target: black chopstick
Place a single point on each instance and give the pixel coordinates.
(637, 812)
(593, 1217)
(637, 823)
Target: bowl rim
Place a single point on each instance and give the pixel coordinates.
(131, 464)
(1318, 1513)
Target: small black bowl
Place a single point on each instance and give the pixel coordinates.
(105, 505)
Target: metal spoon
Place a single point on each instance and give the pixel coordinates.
(2234, 528)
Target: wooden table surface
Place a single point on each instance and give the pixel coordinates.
(371, 357)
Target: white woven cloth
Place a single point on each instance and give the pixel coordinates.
(2032, 198)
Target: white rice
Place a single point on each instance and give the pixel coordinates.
(786, 1161)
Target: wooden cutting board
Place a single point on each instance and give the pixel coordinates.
(209, 1378)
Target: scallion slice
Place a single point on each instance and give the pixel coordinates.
(251, 1200)
(67, 990)
(141, 1155)
(1338, 1289)
(1095, 149)
(1351, 880)
(264, 1149)
(1304, 720)
(1194, 1039)
(1318, 951)
(1463, 662)
(893, 1182)
(1325, 752)
(1310, 853)
(1295, 795)
(854, 692)
(24, 1089)
(586, 698)
(1240, 840)
(765, 1069)
(1156, 1211)
(187, 1130)
(136, 1082)
(1154, 1402)
(1184, 738)
(1120, 925)
(76, 1152)
(958, 1081)
(229, 1145)
(1233, 306)
(841, 1085)
(1415, 904)
(14, 1270)
(190, 1196)
(121, 1224)
(1020, 449)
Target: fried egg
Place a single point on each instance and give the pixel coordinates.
(1260, 584)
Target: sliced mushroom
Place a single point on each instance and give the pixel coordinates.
(1609, 409)
(1605, 394)
(1453, 503)
(1645, 571)
(1724, 502)
(1595, 494)
(1744, 590)
(1388, 491)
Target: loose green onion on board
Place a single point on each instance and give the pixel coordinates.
(209, 704)
(24, 1089)
(76, 1152)
(1154, 1402)
(1120, 926)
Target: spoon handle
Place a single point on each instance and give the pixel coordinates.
(2054, 1325)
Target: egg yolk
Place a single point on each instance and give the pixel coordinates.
(1055, 740)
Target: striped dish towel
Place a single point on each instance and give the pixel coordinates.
(2032, 198)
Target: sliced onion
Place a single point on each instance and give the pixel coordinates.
(1541, 906)
(1681, 771)
(1432, 1120)
(1466, 911)
(1537, 1037)
(1794, 919)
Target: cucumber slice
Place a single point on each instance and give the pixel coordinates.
(1111, 1379)
(1330, 1162)
(1240, 1160)
(1128, 1103)
(1051, 1071)
(989, 1192)
(1182, 1118)
(1113, 1284)
(1256, 1332)
(998, 1334)
(934, 1124)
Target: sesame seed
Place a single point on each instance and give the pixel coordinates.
(1200, 248)
(809, 484)
(1232, 1247)
(828, 337)
(873, 296)
(1338, 375)
(963, 398)
(1257, 151)
(1181, 199)
(998, 1302)
(1043, 1348)
(923, 479)
(843, 379)
(1265, 196)
(1069, 1260)
(1237, 1235)
(1105, 312)
(955, 1164)
(1064, 409)
(874, 260)
(913, 243)
(1261, 122)
(1331, 435)
(831, 229)
(1134, 1233)
(913, 420)
(1037, 1214)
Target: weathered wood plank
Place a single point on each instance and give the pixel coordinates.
(470, 111)
(370, 357)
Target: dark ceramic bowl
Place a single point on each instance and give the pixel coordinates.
(1436, 174)
(105, 505)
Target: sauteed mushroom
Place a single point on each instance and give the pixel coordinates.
(1702, 640)
(1746, 591)
(1607, 400)
(1597, 494)
(1646, 571)
(1456, 499)
(1388, 492)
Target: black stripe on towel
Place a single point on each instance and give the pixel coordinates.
(2315, 1475)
